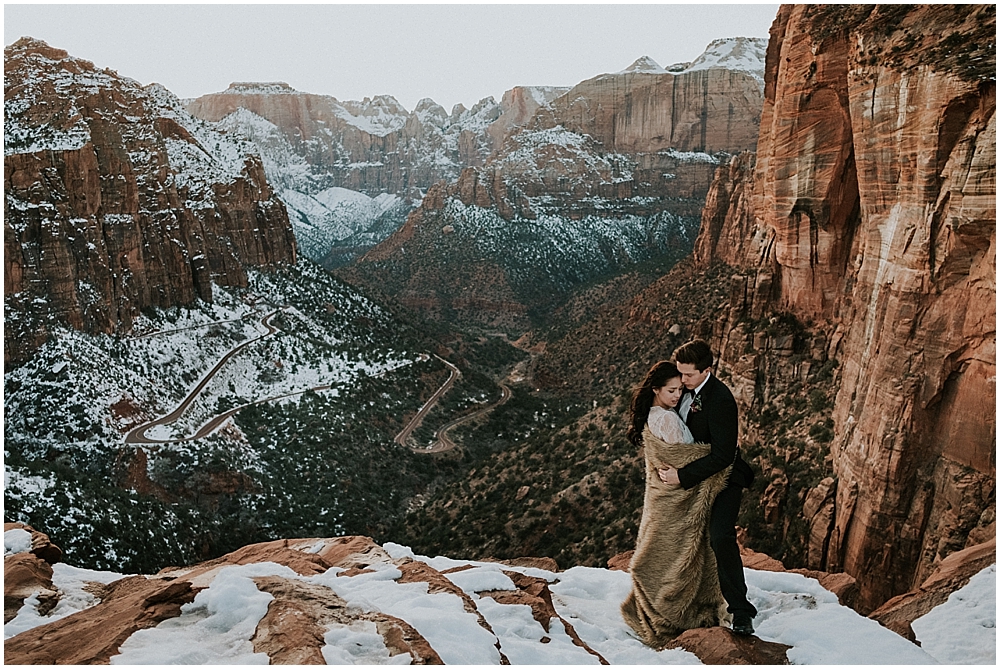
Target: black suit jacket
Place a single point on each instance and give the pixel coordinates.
(717, 424)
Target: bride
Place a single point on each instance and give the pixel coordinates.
(675, 585)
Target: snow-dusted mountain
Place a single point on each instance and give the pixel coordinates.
(351, 171)
(612, 173)
(312, 143)
(738, 54)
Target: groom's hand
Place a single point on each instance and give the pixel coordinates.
(669, 475)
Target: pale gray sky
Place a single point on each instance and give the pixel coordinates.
(450, 53)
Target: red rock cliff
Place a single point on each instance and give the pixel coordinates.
(873, 205)
(645, 109)
(116, 199)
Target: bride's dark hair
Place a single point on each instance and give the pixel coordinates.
(642, 398)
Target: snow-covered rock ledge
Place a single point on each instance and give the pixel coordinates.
(347, 600)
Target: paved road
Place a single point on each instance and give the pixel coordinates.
(404, 436)
(158, 333)
(138, 435)
(443, 441)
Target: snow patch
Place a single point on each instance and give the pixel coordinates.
(215, 628)
(482, 578)
(963, 630)
(16, 541)
(358, 643)
(71, 582)
(440, 617)
(740, 54)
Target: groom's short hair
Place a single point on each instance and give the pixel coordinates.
(696, 352)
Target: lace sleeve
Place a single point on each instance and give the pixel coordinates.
(668, 426)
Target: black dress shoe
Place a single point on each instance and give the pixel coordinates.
(742, 624)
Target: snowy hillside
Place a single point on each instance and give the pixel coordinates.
(471, 612)
(316, 348)
(557, 252)
(323, 217)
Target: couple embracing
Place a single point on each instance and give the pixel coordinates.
(686, 570)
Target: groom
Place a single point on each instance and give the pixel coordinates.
(711, 414)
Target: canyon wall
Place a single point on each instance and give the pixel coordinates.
(869, 212)
(711, 105)
(116, 199)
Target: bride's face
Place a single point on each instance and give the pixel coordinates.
(669, 394)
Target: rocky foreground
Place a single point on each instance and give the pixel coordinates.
(349, 600)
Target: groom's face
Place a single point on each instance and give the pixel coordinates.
(690, 376)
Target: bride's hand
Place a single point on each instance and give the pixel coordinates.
(668, 475)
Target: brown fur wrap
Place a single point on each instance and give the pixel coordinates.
(675, 585)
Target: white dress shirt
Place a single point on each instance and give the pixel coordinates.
(688, 399)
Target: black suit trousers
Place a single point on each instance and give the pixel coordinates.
(722, 534)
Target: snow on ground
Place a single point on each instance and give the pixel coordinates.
(588, 598)
(440, 617)
(358, 643)
(521, 636)
(484, 577)
(963, 630)
(16, 541)
(215, 628)
(796, 610)
(71, 583)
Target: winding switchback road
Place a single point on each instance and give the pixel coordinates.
(443, 441)
(138, 435)
(404, 436)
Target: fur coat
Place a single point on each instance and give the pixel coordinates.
(675, 585)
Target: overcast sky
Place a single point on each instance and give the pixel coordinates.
(450, 53)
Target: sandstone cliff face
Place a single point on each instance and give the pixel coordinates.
(115, 199)
(873, 214)
(712, 105)
(517, 106)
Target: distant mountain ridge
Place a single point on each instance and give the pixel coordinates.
(611, 173)
(316, 147)
(311, 143)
